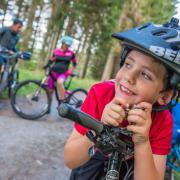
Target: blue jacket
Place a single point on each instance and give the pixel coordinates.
(8, 38)
(176, 117)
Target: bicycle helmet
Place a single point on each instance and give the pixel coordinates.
(159, 41)
(67, 40)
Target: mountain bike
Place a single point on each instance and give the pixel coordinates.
(173, 162)
(31, 99)
(114, 142)
(9, 75)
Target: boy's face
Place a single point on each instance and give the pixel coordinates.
(140, 79)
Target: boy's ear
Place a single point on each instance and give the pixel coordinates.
(165, 97)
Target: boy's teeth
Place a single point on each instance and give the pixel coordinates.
(125, 89)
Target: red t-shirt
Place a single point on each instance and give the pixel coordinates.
(161, 129)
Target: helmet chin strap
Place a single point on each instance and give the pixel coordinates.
(167, 106)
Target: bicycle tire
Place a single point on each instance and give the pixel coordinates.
(77, 97)
(31, 100)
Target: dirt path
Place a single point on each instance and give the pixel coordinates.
(32, 150)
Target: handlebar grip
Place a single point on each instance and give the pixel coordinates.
(81, 118)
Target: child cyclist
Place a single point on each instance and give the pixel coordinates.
(145, 83)
(60, 70)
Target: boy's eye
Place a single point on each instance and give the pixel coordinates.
(127, 65)
(146, 76)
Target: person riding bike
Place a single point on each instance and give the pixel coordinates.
(9, 37)
(60, 70)
(138, 99)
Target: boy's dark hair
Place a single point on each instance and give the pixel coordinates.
(17, 21)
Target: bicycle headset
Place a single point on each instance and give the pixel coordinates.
(67, 40)
(161, 42)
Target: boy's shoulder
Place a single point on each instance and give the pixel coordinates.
(104, 89)
(105, 85)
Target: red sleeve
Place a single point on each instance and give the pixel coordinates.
(161, 133)
(90, 106)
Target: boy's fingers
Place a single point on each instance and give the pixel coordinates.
(145, 106)
(137, 120)
(110, 121)
(138, 112)
(118, 109)
(115, 116)
(119, 102)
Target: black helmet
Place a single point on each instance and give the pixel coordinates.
(160, 41)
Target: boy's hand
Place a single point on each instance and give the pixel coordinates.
(113, 113)
(139, 119)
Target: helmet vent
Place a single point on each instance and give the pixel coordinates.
(160, 33)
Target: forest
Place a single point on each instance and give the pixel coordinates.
(89, 22)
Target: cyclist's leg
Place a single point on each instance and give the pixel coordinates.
(60, 86)
(50, 82)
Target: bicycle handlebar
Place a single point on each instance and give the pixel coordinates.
(22, 55)
(81, 118)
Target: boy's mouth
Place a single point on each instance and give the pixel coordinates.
(126, 91)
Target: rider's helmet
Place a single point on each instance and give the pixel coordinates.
(159, 41)
(68, 40)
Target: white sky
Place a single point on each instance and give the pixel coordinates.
(177, 10)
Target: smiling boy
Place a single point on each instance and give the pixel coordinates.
(146, 82)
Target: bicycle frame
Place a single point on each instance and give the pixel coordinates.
(8, 71)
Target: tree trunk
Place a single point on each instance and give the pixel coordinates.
(19, 4)
(109, 64)
(129, 17)
(28, 32)
(88, 54)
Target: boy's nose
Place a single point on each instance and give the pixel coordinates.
(130, 77)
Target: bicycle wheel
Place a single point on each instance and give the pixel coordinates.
(77, 97)
(31, 100)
